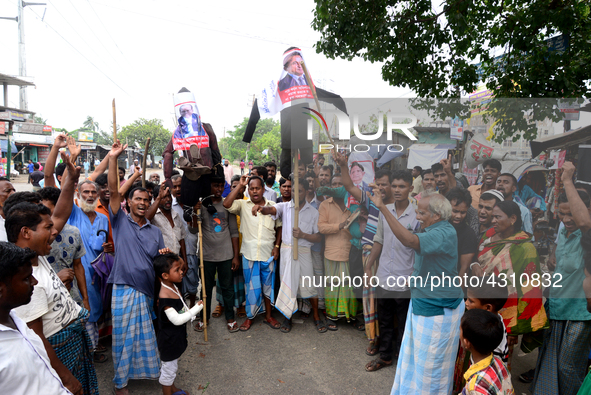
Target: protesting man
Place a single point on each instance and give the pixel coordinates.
(271, 181)
(395, 261)
(296, 274)
(562, 359)
(417, 184)
(228, 171)
(221, 253)
(507, 184)
(426, 363)
(428, 183)
(262, 172)
(486, 204)
(492, 170)
(461, 200)
(52, 313)
(26, 367)
(137, 242)
(260, 249)
(6, 189)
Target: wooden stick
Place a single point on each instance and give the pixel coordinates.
(202, 271)
(296, 195)
(114, 123)
(115, 138)
(144, 163)
(313, 89)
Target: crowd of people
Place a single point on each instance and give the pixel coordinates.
(443, 279)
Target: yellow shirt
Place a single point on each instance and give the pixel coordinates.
(258, 233)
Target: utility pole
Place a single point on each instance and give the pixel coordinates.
(22, 60)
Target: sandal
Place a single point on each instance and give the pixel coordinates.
(100, 349)
(246, 325)
(332, 326)
(372, 349)
(527, 377)
(286, 326)
(273, 323)
(360, 326)
(219, 309)
(232, 327)
(320, 326)
(99, 358)
(241, 313)
(180, 392)
(377, 364)
(199, 326)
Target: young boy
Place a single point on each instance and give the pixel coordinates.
(481, 331)
(483, 294)
(24, 364)
(490, 296)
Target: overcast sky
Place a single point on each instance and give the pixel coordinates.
(85, 53)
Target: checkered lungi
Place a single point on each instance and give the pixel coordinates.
(74, 349)
(259, 280)
(339, 297)
(135, 353)
(428, 353)
(562, 360)
(370, 305)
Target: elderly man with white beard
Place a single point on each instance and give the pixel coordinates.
(89, 222)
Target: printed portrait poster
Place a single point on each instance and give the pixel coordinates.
(189, 130)
(362, 173)
(292, 84)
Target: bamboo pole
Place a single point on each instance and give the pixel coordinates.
(115, 138)
(202, 271)
(144, 163)
(296, 195)
(313, 89)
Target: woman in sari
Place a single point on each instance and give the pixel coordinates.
(507, 252)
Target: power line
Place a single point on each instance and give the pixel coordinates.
(81, 54)
(177, 22)
(94, 34)
(104, 27)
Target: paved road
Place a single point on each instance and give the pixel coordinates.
(263, 360)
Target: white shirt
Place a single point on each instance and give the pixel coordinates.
(171, 235)
(308, 222)
(51, 301)
(191, 239)
(3, 236)
(24, 364)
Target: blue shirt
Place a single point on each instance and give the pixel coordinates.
(438, 256)
(136, 249)
(93, 245)
(567, 298)
(31, 167)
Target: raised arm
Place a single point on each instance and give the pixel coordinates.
(100, 169)
(113, 178)
(345, 177)
(153, 209)
(238, 190)
(59, 142)
(577, 206)
(406, 237)
(446, 163)
(137, 172)
(63, 207)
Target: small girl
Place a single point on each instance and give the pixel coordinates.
(173, 314)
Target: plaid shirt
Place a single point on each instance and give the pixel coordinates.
(489, 376)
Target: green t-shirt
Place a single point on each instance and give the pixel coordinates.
(567, 298)
(437, 257)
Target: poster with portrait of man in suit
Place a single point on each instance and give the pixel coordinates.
(292, 84)
(190, 129)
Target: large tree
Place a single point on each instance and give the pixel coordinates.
(140, 130)
(438, 49)
(267, 136)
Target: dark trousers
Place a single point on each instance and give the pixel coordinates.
(392, 310)
(224, 270)
(356, 269)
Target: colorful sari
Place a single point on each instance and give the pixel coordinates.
(524, 311)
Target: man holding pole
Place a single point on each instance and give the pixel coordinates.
(137, 242)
